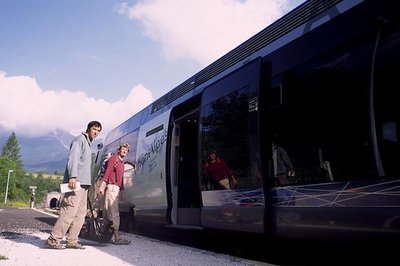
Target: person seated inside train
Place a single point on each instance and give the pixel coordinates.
(217, 172)
(283, 167)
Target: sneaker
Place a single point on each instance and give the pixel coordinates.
(75, 245)
(53, 243)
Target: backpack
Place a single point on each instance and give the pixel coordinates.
(95, 228)
(103, 166)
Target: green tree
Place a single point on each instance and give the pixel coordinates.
(11, 150)
(5, 165)
(10, 160)
(18, 189)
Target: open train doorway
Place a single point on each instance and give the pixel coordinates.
(185, 185)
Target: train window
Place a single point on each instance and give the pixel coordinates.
(229, 125)
(274, 97)
(386, 109)
(132, 139)
(110, 148)
(323, 124)
(225, 124)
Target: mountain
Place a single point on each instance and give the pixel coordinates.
(49, 167)
(46, 153)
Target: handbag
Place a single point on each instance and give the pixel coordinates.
(96, 228)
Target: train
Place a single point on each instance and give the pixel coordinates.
(320, 81)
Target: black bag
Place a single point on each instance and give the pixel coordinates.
(95, 228)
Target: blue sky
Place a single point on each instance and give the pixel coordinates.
(65, 62)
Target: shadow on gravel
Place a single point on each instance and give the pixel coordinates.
(50, 220)
(25, 237)
(281, 251)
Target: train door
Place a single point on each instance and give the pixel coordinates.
(229, 127)
(185, 189)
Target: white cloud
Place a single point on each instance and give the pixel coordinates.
(30, 111)
(190, 30)
(202, 30)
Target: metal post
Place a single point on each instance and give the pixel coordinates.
(32, 198)
(8, 181)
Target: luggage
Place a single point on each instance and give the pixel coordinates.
(96, 228)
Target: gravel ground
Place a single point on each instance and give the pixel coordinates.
(27, 247)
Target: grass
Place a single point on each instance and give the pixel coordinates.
(14, 204)
(49, 176)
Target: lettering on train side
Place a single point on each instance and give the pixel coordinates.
(154, 149)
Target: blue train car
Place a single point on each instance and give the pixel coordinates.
(317, 83)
